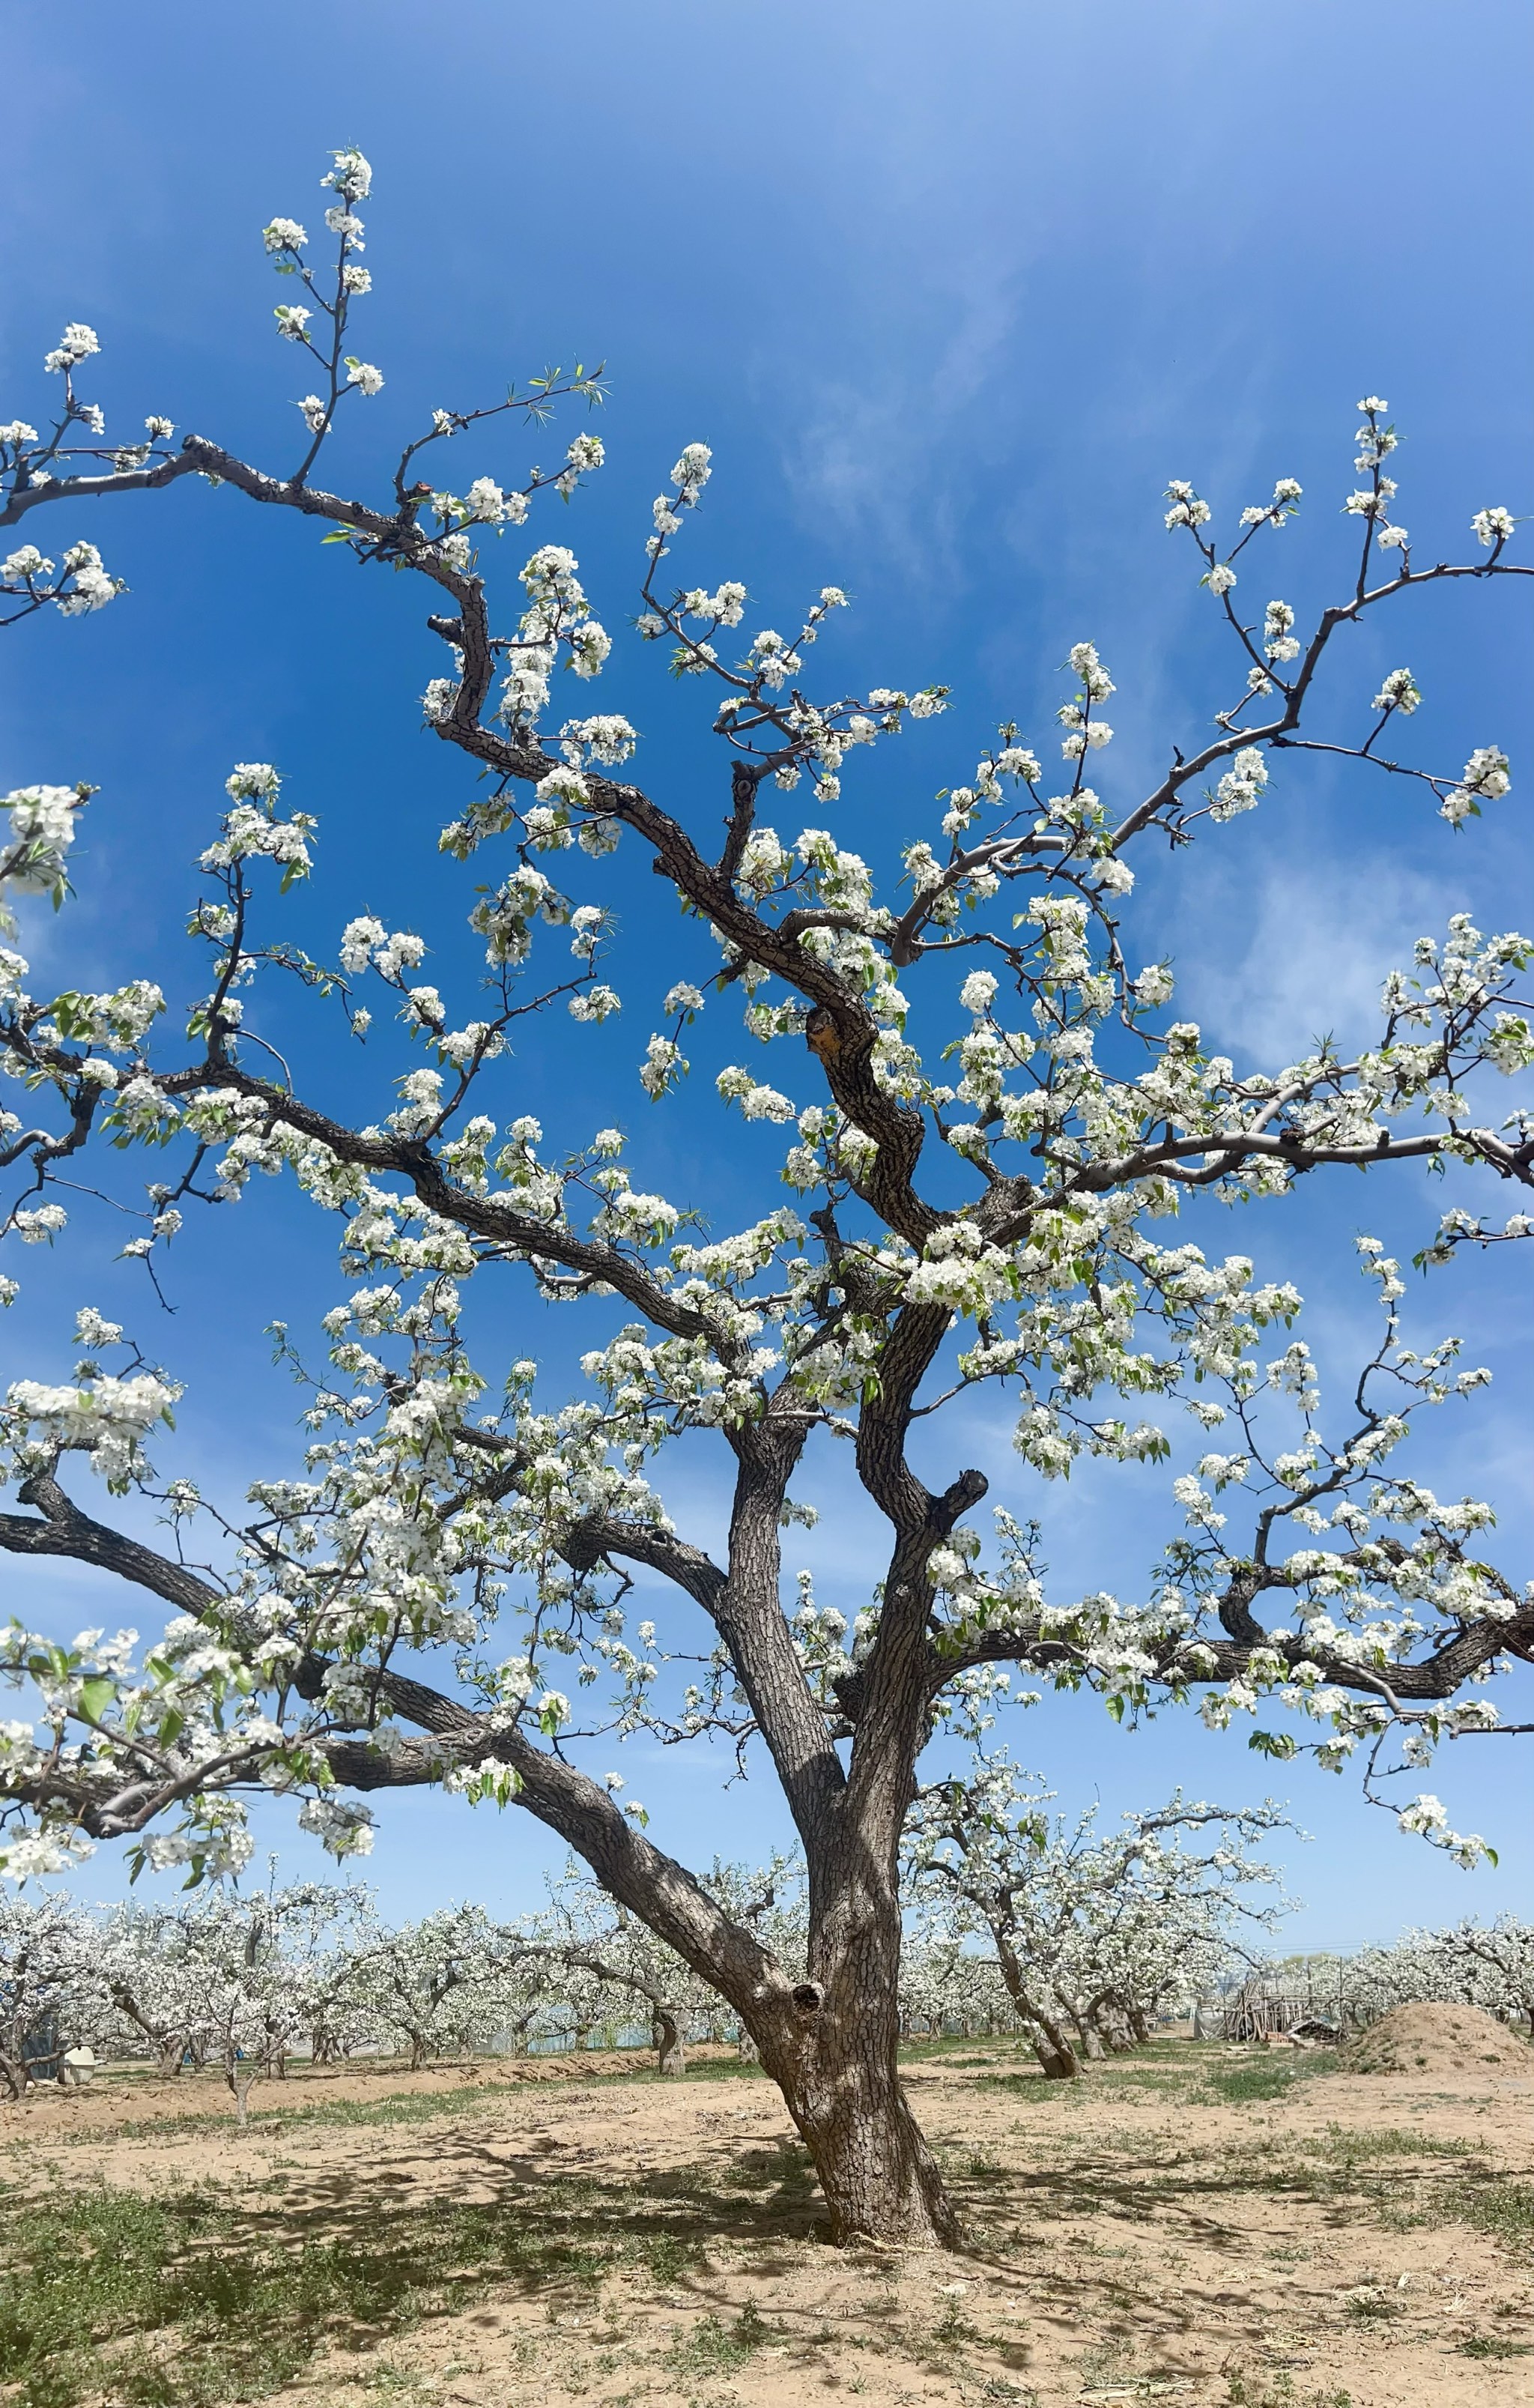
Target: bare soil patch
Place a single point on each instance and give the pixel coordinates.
(125, 2098)
(1197, 2225)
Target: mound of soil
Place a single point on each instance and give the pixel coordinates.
(1438, 2040)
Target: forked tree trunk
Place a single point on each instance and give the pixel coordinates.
(1055, 2055)
(670, 2056)
(1050, 2046)
(831, 2042)
(241, 2074)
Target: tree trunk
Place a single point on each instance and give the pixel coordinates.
(835, 2057)
(670, 2056)
(1050, 2046)
(1055, 2055)
(240, 2073)
(878, 2176)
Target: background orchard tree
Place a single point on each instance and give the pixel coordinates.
(945, 1980)
(51, 1993)
(1096, 1932)
(978, 1199)
(629, 1972)
(632, 1975)
(1502, 1954)
(1481, 1965)
(437, 1986)
(239, 1981)
(153, 1996)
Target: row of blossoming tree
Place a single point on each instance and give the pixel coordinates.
(242, 1982)
(990, 1119)
(245, 1980)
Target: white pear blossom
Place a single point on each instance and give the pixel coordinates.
(77, 343)
(1493, 526)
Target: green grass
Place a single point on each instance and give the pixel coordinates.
(395, 2106)
(1503, 2210)
(1168, 2069)
(713, 2069)
(713, 2347)
(1348, 2147)
(1116, 2076)
(1276, 2391)
(958, 2050)
(1493, 2345)
(1016, 2082)
(193, 2299)
(668, 2259)
(166, 2302)
(1266, 2077)
(1137, 2076)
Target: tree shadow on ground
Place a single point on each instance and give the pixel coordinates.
(194, 2299)
(197, 2297)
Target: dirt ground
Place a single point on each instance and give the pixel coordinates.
(1156, 2232)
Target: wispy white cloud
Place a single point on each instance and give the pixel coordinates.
(1319, 937)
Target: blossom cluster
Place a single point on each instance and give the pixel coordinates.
(985, 1192)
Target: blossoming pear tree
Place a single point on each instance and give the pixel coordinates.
(437, 1986)
(583, 1938)
(1482, 1965)
(240, 1980)
(1095, 1932)
(944, 1981)
(52, 1991)
(1499, 1958)
(988, 1210)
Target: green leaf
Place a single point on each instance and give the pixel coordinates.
(96, 1696)
(1274, 1744)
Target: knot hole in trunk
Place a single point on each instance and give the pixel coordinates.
(807, 1998)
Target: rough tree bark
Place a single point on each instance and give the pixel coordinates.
(1046, 2033)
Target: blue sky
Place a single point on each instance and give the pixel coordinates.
(951, 296)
